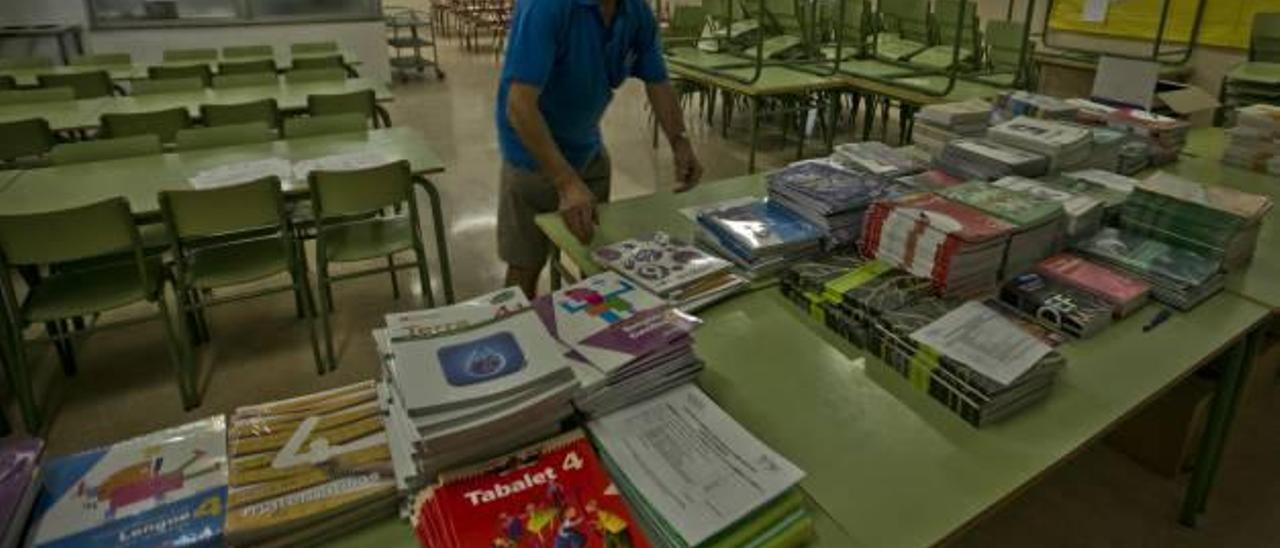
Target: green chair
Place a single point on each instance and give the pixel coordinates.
(263, 110)
(99, 150)
(196, 55)
(168, 72)
(25, 140)
(311, 126)
(89, 232)
(323, 62)
(240, 52)
(25, 62)
(312, 48)
(162, 123)
(222, 136)
(229, 237)
(228, 81)
(254, 66)
(167, 85)
(317, 75)
(947, 15)
(907, 23)
(856, 29)
(363, 102)
(39, 95)
(103, 59)
(1004, 45)
(85, 85)
(686, 25)
(348, 229)
(1264, 40)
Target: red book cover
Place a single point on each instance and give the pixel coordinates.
(552, 495)
(959, 220)
(1118, 288)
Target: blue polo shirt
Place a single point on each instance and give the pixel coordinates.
(564, 48)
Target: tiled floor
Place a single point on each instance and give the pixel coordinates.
(260, 352)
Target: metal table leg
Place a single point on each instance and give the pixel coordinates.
(442, 241)
(755, 134)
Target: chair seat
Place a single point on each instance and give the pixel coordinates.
(365, 240)
(939, 57)
(1256, 72)
(85, 291)
(874, 68)
(1004, 80)
(236, 263)
(894, 48)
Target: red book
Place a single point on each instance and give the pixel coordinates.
(1126, 293)
(552, 494)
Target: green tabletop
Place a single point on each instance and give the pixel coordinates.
(774, 80)
(890, 465)
(289, 97)
(61, 115)
(139, 179)
(963, 90)
(27, 77)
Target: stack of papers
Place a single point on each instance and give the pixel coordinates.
(626, 344)
(1038, 223)
(19, 485)
(1179, 277)
(987, 160)
(1254, 142)
(1084, 212)
(1162, 136)
(878, 159)
(959, 248)
(1215, 221)
(936, 125)
(759, 236)
(683, 274)
(695, 477)
(1067, 146)
(829, 196)
(1012, 104)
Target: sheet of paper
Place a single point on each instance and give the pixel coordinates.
(350, 161)
(1130, 82)
(697, 467)
(1095, 11)
(243, 172)
(984, 340)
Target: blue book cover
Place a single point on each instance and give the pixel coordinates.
(759, 226)
(837, 188)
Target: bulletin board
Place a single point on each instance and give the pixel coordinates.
(1226, 22)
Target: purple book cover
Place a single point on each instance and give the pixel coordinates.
(19, 458)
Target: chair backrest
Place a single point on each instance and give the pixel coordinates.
(909, 18)
(253, 66)
(238, 52)
(103, 59)
(166, 72)
(205, 55)
(857, 20)
(342, 194)
(195, 215)
(1004, 43)
(315, 75)
(41, 95)
(94, 230)
(163, 123)
(1264, 42)
(264, 110)
(945, 15)
(784, 16)
(169, 85)
(25, 138)
(223, 136)
(99, 150)
(361, 102)
(321, 62)
(310, 126)
(224, 81)
(687, 23)
(25, 62)
(85, 85)
(313, 47)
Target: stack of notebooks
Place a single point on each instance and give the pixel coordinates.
(959, 248)
(307, 469)
(625, 343)
(829, 196)
(928, 181)
(1067, 146)
(1037, 223)
(1213, 221)
(19, 485)
(468, 382)
(1084, 213)
(1179, 277)
(167, 488)
(936, 125)
(1012, 104)
(1108, 151)
(759, 236)
(683, 274)
(1126, 294)
(1163, 137)
(695, 477)
(878, 159)
(1254, 142)
(1111, 188)
(987, 160)
(555, 493)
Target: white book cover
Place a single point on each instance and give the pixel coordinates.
(696, 467)
(1046, 134)
(659, 262)
(985, 341)
(434, 321)
(167, 488)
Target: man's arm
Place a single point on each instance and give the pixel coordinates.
(577, 203)
(666, 108)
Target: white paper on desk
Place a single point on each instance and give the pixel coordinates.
(698, 468)
(1129, 82)
(1095, 11)
(984, 340)
(350, 161)
(243, 172)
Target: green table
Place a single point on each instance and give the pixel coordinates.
(61, 115)
(289, 97)
(891, 466)
(27, 77)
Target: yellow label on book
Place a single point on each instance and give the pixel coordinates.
(815, 306)
(920, 368)
(835, 289)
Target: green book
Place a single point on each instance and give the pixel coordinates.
(1021, 209)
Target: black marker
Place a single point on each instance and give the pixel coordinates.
(1160, 317)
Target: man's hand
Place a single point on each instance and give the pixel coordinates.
(578, 208)
(688, 168)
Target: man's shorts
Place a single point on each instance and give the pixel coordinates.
(524, 195)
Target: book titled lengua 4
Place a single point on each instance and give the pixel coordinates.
(168, 488)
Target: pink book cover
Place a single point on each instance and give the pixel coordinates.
(1095, 278)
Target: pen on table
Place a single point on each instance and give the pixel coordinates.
(1160, 317)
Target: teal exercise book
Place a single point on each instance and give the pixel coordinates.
(1179, 277)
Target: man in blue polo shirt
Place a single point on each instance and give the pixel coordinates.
(564, 59)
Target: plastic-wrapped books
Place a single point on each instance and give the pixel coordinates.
(759, 236)
(1254, 142)
(1084, 213)
(936, 125)
(986, 160)
(828, 196)
(878, 159)
(1179, 277)
(1065, 145)
(1038, 223)
(1012, 104)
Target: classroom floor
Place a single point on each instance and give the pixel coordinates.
(260, 351)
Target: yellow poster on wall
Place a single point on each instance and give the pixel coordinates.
(1226, 22)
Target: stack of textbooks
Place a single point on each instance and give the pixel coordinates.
(19, 485)
(1179, 277)
(308, 469)
(468, 382)
(1111, 188)
(1126, 294)
(1108, 151)
(928, 181)
(959, 248)
(1084, 213)
(1163, 137)
(1037, 223)
(1254, 142)
(1057, 305)
(878, 159)
(626, 344)
(1214, 221)
(1012, 104)
(1067, 146)
(167, 488)
(695, 477)
(683, 274)
(759, 236)
(987, 160)
(829, 196)
(936, 125)
(555, 493)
